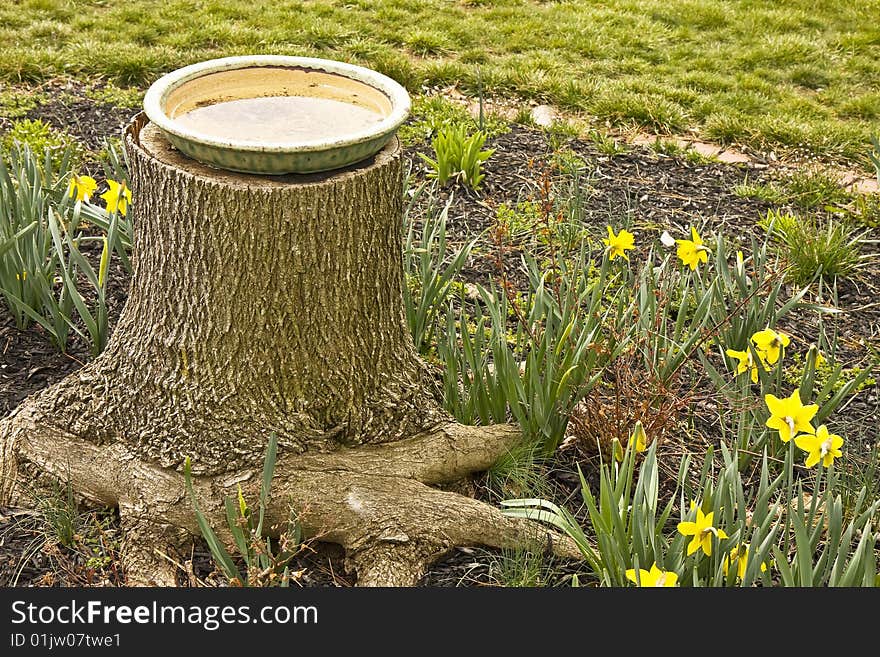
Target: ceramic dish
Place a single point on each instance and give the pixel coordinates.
(273, 114)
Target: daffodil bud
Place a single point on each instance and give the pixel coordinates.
(242, 505)
(740, 264)
(102, 268)
(815, 356)
(617, 450)
(639, 438)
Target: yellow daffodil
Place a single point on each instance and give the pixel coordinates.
(117, 197)
(822, 446)
(739, 557)
(639, 438)
(702, 532)
(81, 188)
(770, 344)
(619, 244)
(652, 578)
(691, 252)
(789, 416)
(746, 362)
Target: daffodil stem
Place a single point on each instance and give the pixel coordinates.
(779, 372)
(744, 427)
(815, 497)
(713, 331)
(789, 482)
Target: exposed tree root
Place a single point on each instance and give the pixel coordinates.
(376, 501)
(145, 545)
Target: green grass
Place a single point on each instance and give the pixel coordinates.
(16, 103)
(521, 569)
(40, 137)
(518, 474)
(812, 188)
(792, 74)
(430, 114)
(110, 94)
(767, 192)
(667, 147)
(813, 247)
(808, 188)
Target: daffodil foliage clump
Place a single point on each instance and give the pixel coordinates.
(616, 351)
(51, 217)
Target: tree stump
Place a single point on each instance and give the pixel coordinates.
(256, 305)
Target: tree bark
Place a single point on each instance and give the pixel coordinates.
(266, 304)
(256, 304)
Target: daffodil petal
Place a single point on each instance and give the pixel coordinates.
(707, 544)
(807, 442)
(687, 528)
(808, 412)
(775, 405)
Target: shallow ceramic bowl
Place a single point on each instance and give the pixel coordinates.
(218, 81)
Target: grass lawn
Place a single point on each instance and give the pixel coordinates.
(795, 76)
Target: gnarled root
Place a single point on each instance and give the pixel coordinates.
(147, 549)
(377, 501)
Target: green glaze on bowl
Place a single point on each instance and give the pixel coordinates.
(257, 136)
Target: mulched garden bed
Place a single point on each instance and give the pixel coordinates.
(647, 191)
(72, 111)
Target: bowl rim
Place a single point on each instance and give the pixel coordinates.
(158, 92)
